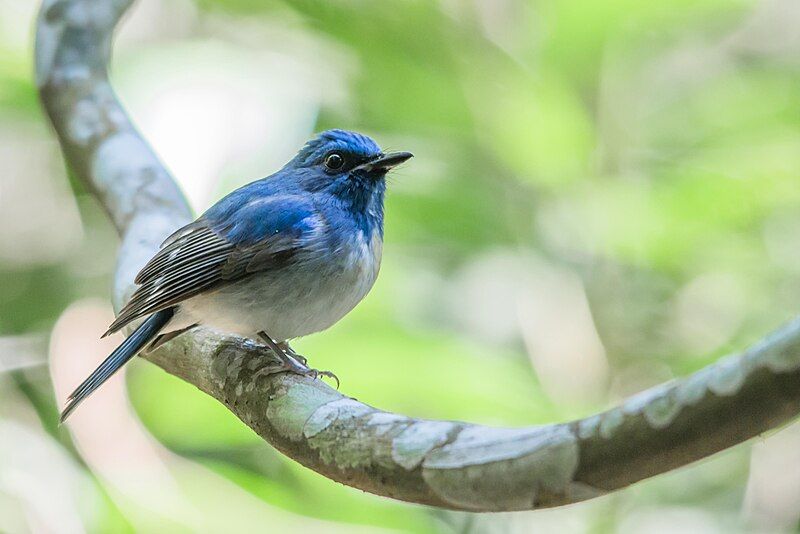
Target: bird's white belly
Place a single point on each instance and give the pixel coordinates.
(294, 301)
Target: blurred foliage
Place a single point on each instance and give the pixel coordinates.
(648, 150)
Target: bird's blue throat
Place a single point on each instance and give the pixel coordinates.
(362, 196)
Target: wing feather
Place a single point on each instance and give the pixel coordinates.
(179, 255)
(188, 263)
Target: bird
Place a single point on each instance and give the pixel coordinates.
(277, 259)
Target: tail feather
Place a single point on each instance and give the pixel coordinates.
(127, 350)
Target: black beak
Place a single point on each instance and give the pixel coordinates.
(386, 161)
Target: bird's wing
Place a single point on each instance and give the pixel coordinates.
(261, 235)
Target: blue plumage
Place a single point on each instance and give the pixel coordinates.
(314, 150)
(279, 258)
(251, 221)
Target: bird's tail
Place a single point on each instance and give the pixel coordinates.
(127, 350)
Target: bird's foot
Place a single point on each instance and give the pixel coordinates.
(316, 373)
(284, 346)
(292, 361)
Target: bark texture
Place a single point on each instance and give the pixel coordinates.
(440, 463)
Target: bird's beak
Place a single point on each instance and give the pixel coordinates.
(386, 161)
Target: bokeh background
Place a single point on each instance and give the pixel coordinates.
(605, 195)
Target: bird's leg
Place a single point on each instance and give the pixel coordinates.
(284, 345)
(288, 360)
(291, 360)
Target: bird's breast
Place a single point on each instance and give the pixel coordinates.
(363, 256)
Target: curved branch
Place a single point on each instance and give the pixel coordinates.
(447, 464)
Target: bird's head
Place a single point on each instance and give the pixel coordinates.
(348, 165)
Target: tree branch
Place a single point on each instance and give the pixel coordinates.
(447, 464)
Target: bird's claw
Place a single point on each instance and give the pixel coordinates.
(316, 373)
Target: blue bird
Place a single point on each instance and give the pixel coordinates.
(274, 260)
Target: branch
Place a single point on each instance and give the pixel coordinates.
(446, 464)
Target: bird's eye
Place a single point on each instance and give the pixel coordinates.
(334, 161)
